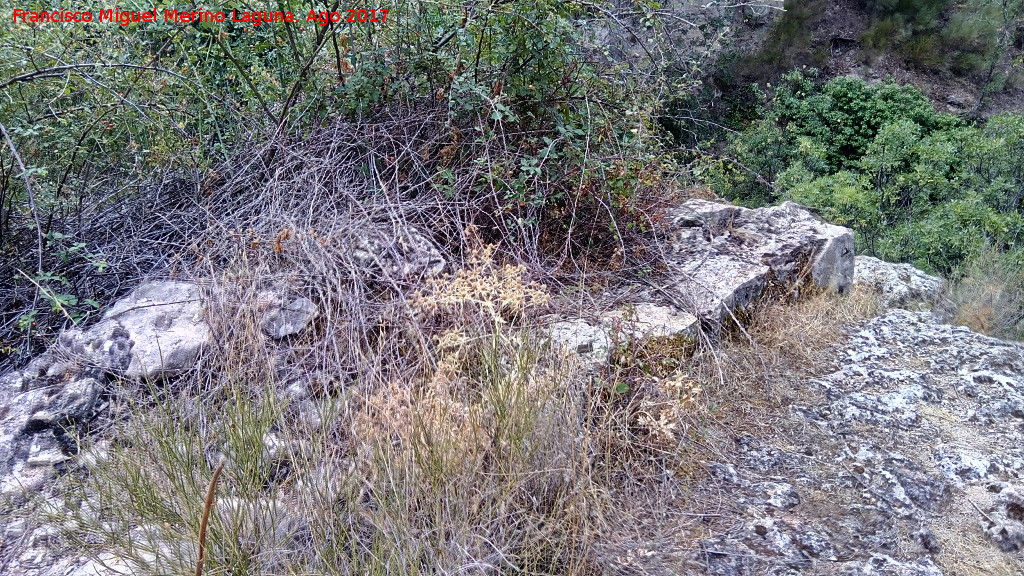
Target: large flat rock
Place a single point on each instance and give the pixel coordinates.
(725, 257)
(907, 459)
(722, 258)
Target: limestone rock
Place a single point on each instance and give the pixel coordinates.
(107, 564)
(722, 258)
(1005, 524)
(899, 285)
(164, 321)
(647, 320)
(593, 340)
(17, 406)
(397, 253)
(289, 319)
(725, 257)
(882, 565)
(157, 330)
(31, 467)
(76, 401)
(911, 448)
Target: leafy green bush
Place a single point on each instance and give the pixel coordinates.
(916, 185)
(824, 127)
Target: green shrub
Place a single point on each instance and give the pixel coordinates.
(882, 36)
(916, 185)
(926, 51)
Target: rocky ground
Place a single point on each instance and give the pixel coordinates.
(905, 460)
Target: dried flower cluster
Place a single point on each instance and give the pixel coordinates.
(481, 289)
(661, 416)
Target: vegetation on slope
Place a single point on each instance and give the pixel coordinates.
(432, 432)
(525, 117)
(980, 41)
(917, 186)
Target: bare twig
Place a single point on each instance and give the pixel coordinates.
(31, 198)
(207, 508)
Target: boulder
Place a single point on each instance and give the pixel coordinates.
(724, 257)
(157, 330)
(164, 319)
(899, 285)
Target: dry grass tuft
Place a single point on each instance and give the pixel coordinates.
(989, 296)
(471, 457)
(797, 335)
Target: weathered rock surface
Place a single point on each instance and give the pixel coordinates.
(397, 253)
(288, 319)
(593, 339)
(899, 285)
(907, 460)
(156, 330)
(157, 325)
(722, 258)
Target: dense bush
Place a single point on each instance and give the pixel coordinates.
(544, 134)
(916, 185)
